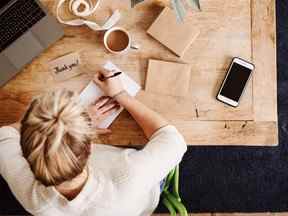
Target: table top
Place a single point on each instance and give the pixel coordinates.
(229, 28)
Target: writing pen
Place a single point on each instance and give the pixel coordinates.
(103, 78)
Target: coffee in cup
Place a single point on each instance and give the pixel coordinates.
(117, 40)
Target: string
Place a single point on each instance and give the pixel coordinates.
(84, 8)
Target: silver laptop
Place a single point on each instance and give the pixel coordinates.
(26, 30)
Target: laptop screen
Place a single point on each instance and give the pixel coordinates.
(4, 2)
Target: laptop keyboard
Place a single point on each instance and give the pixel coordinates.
(17, 19)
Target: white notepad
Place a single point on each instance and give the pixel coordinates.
(92, 92)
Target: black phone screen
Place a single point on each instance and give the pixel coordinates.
(235, 82)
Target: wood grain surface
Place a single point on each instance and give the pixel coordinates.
(228, 28)
(264, 41)
(221, 132)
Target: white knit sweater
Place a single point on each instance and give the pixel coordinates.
(122, 182)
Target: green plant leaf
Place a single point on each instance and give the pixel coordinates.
(134, 2)
(193, 3)
(176, 184)
(179, 9)
(179, 206)
(169, 206)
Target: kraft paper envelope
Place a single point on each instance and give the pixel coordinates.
(92, 92)
(168, 78)
(176, 36)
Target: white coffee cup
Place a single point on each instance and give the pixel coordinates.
(117, 40)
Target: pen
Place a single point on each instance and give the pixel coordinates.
(103, 78)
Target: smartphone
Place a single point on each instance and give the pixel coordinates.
(235, 82)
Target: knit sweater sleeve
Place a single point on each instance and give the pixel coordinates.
(15, 169)
(147, 167)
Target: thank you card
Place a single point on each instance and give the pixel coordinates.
(65, 67)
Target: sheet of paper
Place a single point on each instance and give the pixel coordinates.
(92, 92)
(65, 67)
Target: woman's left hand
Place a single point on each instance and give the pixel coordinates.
(100, 110)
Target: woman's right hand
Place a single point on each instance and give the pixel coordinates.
(110, 87)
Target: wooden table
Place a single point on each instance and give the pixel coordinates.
(229, 28)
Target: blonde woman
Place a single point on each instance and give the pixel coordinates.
(53, 168)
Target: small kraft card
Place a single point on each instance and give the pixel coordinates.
(65, 67)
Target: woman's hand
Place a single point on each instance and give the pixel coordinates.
(100, 110)
(110, 87)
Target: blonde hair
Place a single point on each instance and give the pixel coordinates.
(56, 137)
